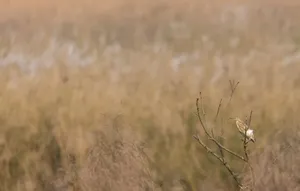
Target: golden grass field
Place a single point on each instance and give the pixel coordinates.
(101, 95)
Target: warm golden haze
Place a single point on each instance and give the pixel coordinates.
(101, 96)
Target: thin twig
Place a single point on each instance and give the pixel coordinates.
(220, 159)
(227, 150)
(245, 145)
(246, 154)
(252, 175)
(232, 88)
(203, 112)
(218, 111)
(250, 118)
(218, 143)
(200, 119)
(245, 137)
(212, 138)
(215, 120)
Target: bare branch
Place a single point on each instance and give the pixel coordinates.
(247, 155)
(252, 174)
(218, 111)
(220, 159)
(200, 119)
(233, 87)
(250, 118)
(245, 145)
(215, 120)
(211, 136)
(245, 137)
(222, 153)
(201, 99)
(228, 150)
(204, 115)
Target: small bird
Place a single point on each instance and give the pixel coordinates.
(242, 127)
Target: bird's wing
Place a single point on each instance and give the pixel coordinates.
(241, 126)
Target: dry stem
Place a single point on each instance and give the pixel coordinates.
(221, 147)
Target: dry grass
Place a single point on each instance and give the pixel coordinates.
(276, 164)
(114, 163)
(71, 76)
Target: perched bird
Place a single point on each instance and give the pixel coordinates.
(242, 127)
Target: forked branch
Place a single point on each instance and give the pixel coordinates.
(210, 136)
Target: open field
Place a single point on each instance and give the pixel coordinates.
(101, 96)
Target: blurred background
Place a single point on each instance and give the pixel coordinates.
(99, 95)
